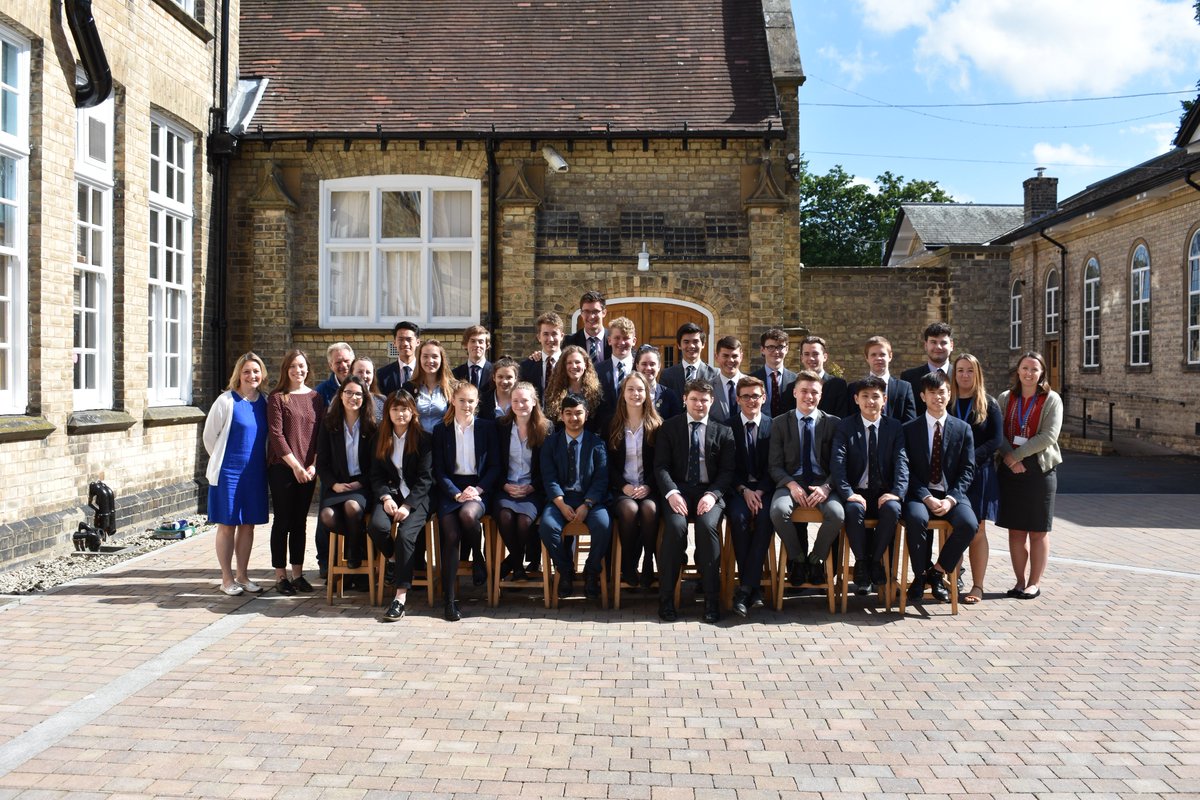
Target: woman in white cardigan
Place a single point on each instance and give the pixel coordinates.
(235, 436)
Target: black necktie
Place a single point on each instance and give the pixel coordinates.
(593, 348)
(407, 370)
(620, 372)
(776, 399)
(806, 451)
(752, 448)
(475, 375)
(693, 467)
(935, 455)
(874, 476)
(572, 464)
(729, 390)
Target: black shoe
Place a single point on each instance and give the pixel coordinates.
(284, 587)
(962, 589)
(916, 591)
(741, 603)
(478, 572)
(395, 611)
(647, 580)
(353, 563)
(862, 579)
(937, 585)
(451, 613)
(323, 571)
(301, 584)
(712, 610)
(816, 573)
(566, 585)
(756, 598)
(797, 573)
(389, 573)
(591, 585)
(666, 611)
(519, 573)
(878, 574)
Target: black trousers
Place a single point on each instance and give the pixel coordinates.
(290, 500)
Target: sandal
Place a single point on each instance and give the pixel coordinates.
(974, 596)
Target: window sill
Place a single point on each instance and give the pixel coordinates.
(24, 429)
(189, 22)
(85, 422)
(1138, 369)
(172, 415)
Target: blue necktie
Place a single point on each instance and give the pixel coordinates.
(806, 451)
(620, 372)
(475, 375)
(572, 464)
(407, 374)
(693, 467)
(732, 398)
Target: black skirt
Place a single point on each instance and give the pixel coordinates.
(1027, 499)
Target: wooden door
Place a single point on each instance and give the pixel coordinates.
(656, 324)
(1052, 365)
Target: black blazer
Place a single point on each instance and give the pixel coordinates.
(913, 377)
(488, 467)
(462, 373)
(487, 405)
(987, 435)
(673, 377)
(900, 403)
(504, 443)
(390, 378)
(958, 458)
(667, 402)
(331, 457)
(580, 338)
(417, 468)
(762, 452)
(531, 371)
(848, 461)
(787, 380)
(616, 466)
(671, 456)
(593, 466)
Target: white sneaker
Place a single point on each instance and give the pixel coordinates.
(233, 589)
(249, 586)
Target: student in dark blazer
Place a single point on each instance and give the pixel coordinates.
(900, 403)
(635, 502)
(835, 394)
(941, 453)
(494, 403)
(871, 482)
(406, 337)
(938, 343)
(477, 369)
(401, 477)
(690, 340)
(520, 497)
(801, 479)
(538, 368)
(575, 477)
(592, 337)
(773, 344)
(666, 402)
(748, 502)
(612, 371)
(694, 468)
(466, 469)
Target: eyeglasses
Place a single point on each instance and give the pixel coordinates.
(757, 398)
(775, 348)
(352, 395)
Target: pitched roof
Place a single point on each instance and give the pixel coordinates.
(940, 224)
(520, 65)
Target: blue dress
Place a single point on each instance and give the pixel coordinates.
(240, 496)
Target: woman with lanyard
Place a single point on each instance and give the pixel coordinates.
(343, 458)
(401, 479)
(520, 498)
(630, 472)
(1032, 419)
(970, 403)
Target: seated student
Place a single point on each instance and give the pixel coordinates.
(775, 376)
(690, 340)
(729, 359)
(538, 368)
(694, 468)
(519, 500)
(406, 336)
(574, 374)
(801, 447)
(401, 482)
(635, 504)
(476, 369)
(666, 402)
(466, 470)
(748, 502)
(870, 475)
(593, 307)
(938, 342)
(494, 403)
(941, 453)
(622, 337)
(835, 396)
(900, 403)
(575, 476)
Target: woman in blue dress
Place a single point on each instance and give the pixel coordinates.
(970, 403)
(235, 436)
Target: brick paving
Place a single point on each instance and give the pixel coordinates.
(146, 682)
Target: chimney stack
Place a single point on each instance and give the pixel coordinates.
(1041, 195)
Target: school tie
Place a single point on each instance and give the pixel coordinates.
(693, 467)
(594, 348)
(776, 400)
(806, 451)
(732, 397)
(546, 376)
(689, 373)
(752, 448)
(620, 372)
(935, 455)
(407, 374)
(572, 464)
(475, 375)
(874, 475)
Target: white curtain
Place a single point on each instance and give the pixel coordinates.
(349, 215)
(349, 283)
(451, 284)
(402, 284)
(452, 215)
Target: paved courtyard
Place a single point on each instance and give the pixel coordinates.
(146, 682)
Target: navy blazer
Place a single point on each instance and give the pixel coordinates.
(667, 402)
(616, 467)
(488, 467)
(504, 441)
(762, 450)
(786, 459)
(593, 466)
(579, 338)
(958, 458)
(531, 371)
(671, 456)
(987, 435)
(608, 404)
(787, 380)
(417, 468)
(331, 457)
(462, 373)
(900, 403)
(848, 460)
(672, 377)
(390, 378)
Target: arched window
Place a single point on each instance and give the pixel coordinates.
(1193, 301)
(1139, 307)
(1091, 314)
(1014, 315)
(1052, 307)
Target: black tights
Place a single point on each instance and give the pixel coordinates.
(348, 519)
(457, 527)
(637, 525)
(515, 530)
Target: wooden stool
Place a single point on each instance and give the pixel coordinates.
(338, 569)
(583, 545)
(884, 593)
(944, 530)
(494, 551)
(809, 515)
(729, 570)
(427, 579)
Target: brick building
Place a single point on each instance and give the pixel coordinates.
(104, 242)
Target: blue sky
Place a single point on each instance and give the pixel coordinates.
(960, 52)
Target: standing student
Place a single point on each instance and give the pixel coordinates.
(938, 343)
(538, 368)
(729, 360)
(401, 482)
(406, 337)
(635, 504)
(690, 340)
(431, 384)
(612, 371)
(235, 437)
(476, 370)
(593, 308)
(520, 499)
(748, 503)
(495, 402)
(574, 374)
(970, 402)
(294, 415)
(900, 403)
(835, 394)
(1028, 476)
(666, 402)
(773, 344)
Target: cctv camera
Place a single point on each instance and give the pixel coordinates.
(557, 162)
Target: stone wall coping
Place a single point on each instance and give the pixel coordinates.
(24, 428)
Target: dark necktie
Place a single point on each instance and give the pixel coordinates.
(688, 374)
(475, 375)
(546, 377)
(752, 448)
(732, 397)
(594, 348)
(935, 455)
(874, 475)
(572, 463)
(620, 372)
(693, 467)
(806, 451)
(776, 400)
(407, 374)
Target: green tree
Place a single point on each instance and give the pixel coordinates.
(1187, 104)
(847, 224)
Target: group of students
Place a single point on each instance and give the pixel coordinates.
(588, 430)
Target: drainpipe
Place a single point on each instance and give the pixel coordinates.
(91, 53)
(221, 148)
(1187, 178)
(1062, 314)
(493, 248)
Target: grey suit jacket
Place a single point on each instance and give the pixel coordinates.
(786, 460)
(720, 407)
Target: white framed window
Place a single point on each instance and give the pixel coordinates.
(1193, 301)
(92, 301)
(1014, 315)
(1091, 313)
(170, 287)
(399, 247)
(187, 5)
(14, 221)
(1139, 307)
(1052, 303)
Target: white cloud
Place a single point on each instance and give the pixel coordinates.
(891, 16)
(1063, 155)
(853, 67)
(1161, 133)
(871, 185)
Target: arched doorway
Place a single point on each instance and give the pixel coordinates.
(656, 320)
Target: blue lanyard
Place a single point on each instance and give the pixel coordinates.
(958, 412)
(1024, 411)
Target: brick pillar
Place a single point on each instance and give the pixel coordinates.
(774, 286)
(517, 254)
(266, 296)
